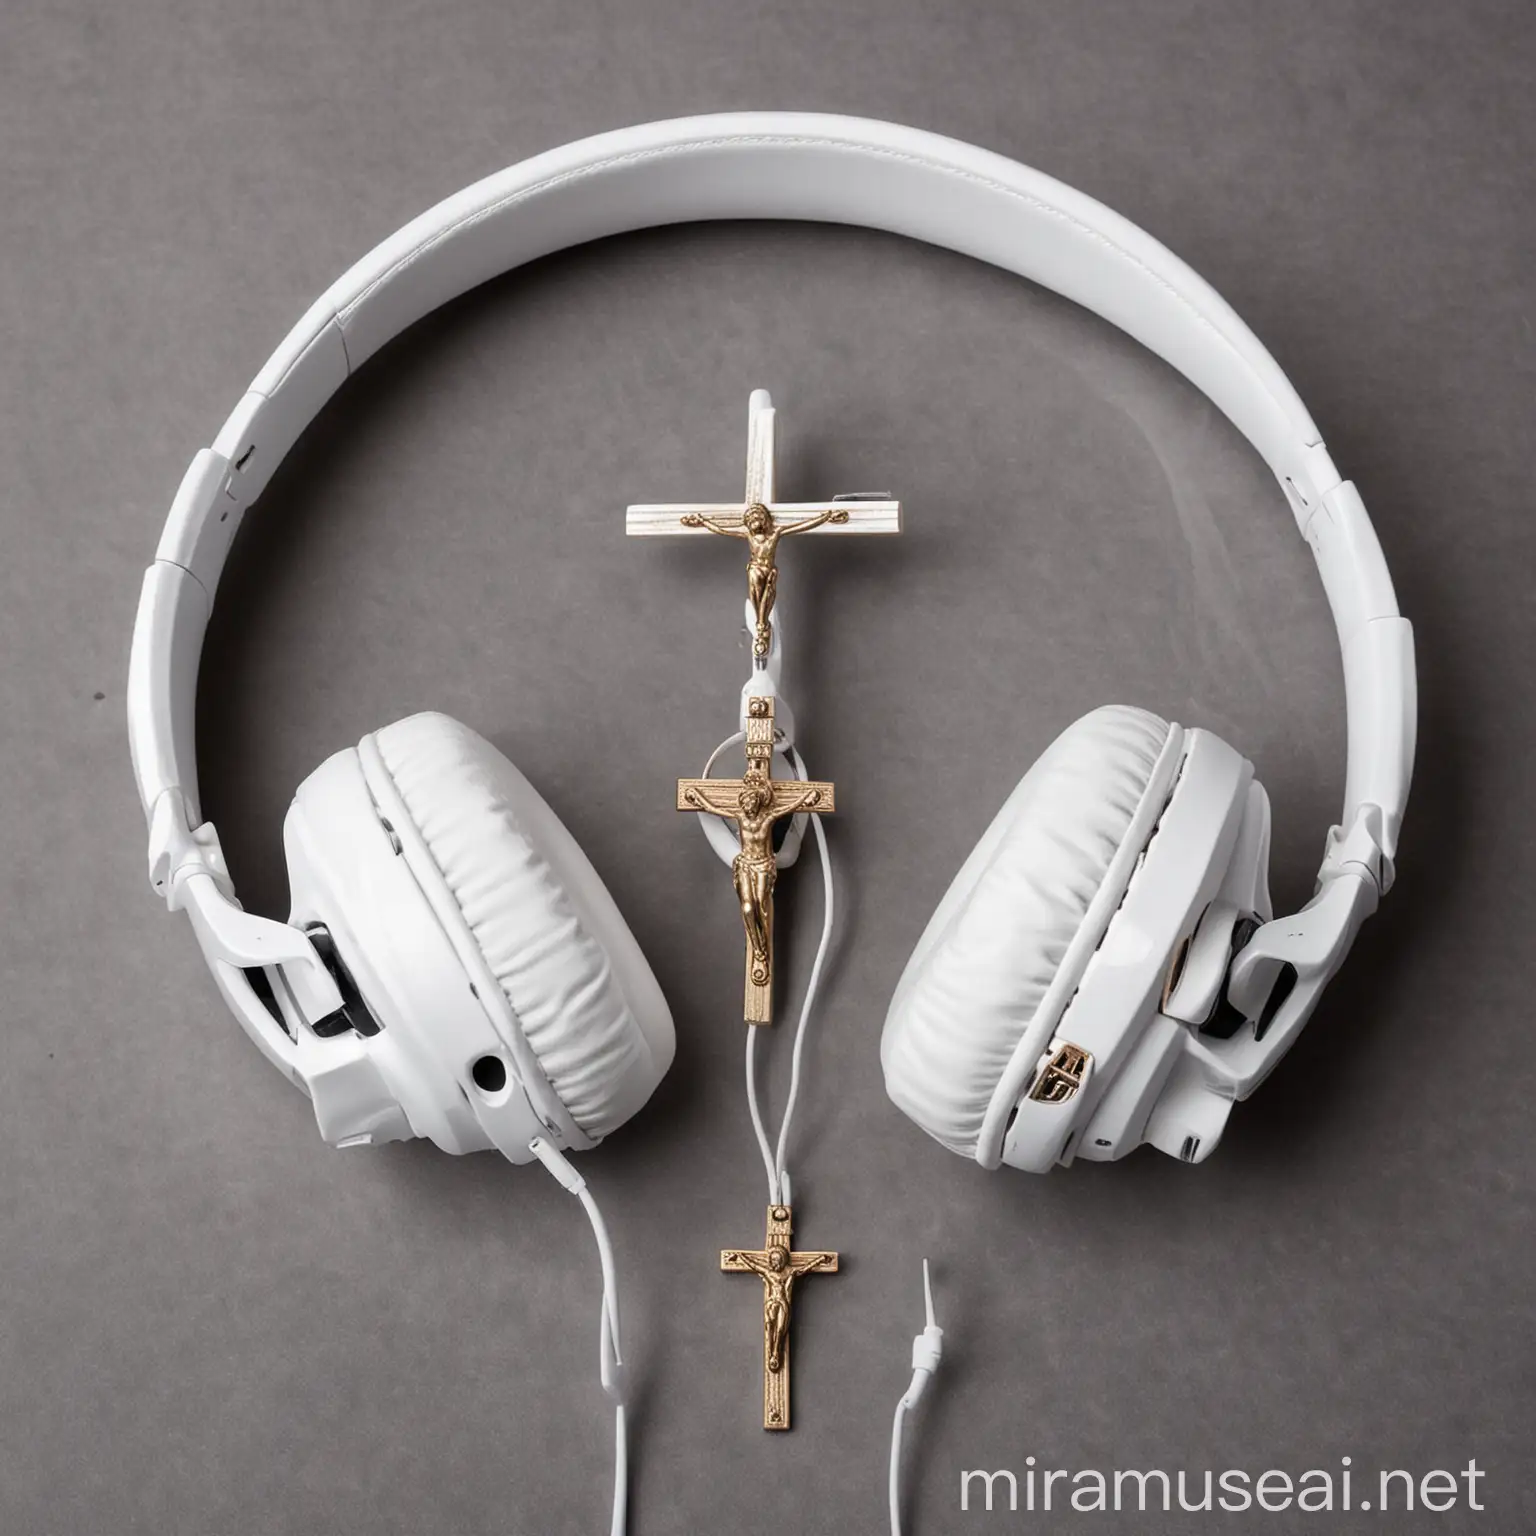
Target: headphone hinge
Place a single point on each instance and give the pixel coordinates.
(177, 850)
(1278, 976)
(1357, 850)
(186, 867)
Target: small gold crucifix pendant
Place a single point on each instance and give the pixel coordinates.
(755, 802)
(778, 1267)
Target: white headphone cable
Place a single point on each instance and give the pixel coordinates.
(927, 1351)
(610, 1356)
(773, 1160)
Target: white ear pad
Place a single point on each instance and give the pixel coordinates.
(1000, 958)
(550, 934)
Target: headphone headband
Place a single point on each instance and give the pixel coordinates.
(769, 166)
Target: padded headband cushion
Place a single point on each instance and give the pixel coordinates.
(549, 931)
(986, 961)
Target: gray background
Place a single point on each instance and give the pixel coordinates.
(210, 1322)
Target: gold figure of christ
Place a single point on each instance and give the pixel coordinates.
(762, 533)
(778, 1267)
(755, 802)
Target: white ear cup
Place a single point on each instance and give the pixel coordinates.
(997, 963)
(550, 933)
(475, 928)
(348, 872)
(1053, 1005)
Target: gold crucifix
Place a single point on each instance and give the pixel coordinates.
(778, 1267)
(755, 802)
(762, 522)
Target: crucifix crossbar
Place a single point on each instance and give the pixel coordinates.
(761, 521)
(778, 1266)
(755, 802)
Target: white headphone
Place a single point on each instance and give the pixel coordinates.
(1094, 977)
(1105, 969)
